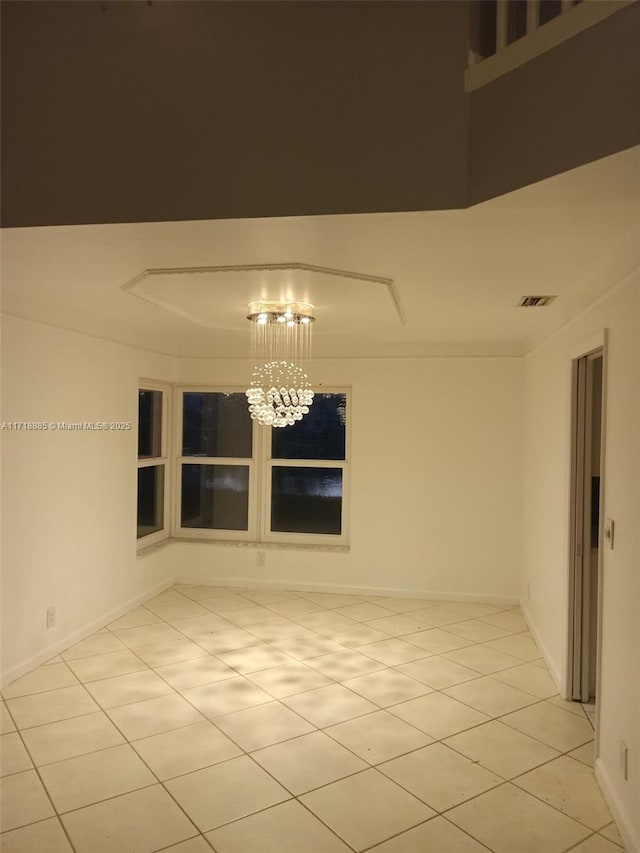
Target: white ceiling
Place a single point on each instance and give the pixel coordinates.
(458, 275)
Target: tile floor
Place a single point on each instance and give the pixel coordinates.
(262, 721)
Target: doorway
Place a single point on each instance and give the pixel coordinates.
(586, 529)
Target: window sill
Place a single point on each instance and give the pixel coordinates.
(262, 546)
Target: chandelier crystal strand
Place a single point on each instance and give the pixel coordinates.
(280, 392)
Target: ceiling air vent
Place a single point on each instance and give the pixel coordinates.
(535, 301)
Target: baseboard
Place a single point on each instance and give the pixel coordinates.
(347, 589)
(554, 672)
(630, 836)
(76, 636)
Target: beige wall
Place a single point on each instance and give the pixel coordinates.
(546, 525)
(68, 498)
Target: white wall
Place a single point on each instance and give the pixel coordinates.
(68, 498)
(435, 482)
(546, 514)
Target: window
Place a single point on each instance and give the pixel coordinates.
(153, 484)
(238, 480)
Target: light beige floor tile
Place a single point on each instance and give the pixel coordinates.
(378, 737)
(551, 725)
(436, 617)
(530, 678)
(197, 593)
(569, 786)
(249, 615)
(184, 750)
(13, 756)
(97, 776)
(278, 628)
(56, 659)
(51, 677)
(97, 644)
(23, 800)
(327, 622)
(308, 762)
(403, 605)
(148, 634)
(612, 833)
(125, 689)
(584, 753)
(263, 725)
(397, 625)
(46, 836)
(438, 672)
(473, 609)
(513, 622)
(326, 706)
(293, 607)
(255, 658)
(479, 632)
(225, 603)
(438, 715)
(437, 835)
(139, 822)
(193, 845)
(226, 696)
(366, 809)
(439, 776)
(269, 596)
(502, 749)
(134, 619)
(358, 635)
(175, 651)
(288, 680)
(437, 640)
(483, 659)
(387, 687)
(287, 828)
(490, 696)
(153, 716)
(507, 820)
(180, 611)
(517, 645)
(364, 611)
(309, 646)
(342, 665)
(61, 704)
(68, 738)
(199, 627)
(168, 598)
(226, 792)
(393, 652)
(6, 723)
(106, 666)
(596, 844)
(331, 599)
(576, 708)
(195, 672)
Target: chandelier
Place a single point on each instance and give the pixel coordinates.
(280, 392)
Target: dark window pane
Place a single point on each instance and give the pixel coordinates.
(319, 435)
(516, 20)
(215, 496)
(549, 9)
(483, 27)
(149, 424)
(306, 500)
(216, 424)
(150, 500)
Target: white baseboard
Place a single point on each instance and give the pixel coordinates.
(60, 645)
(630, 836)
(347, 589)
(554, 672)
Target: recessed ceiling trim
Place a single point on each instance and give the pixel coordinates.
(388, 283)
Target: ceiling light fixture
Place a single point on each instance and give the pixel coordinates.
(280, 392)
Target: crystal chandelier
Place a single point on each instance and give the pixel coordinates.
(280, 392)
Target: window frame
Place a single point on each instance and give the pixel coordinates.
(164, 461)
(260, 465)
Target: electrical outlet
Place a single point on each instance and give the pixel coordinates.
(262, 558)
(624, 760)
(51, 617)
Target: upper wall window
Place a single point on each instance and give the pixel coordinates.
(239, 480)
(153, 479)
